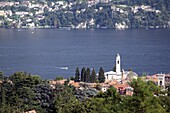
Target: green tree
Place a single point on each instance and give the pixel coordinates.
(97, 105)
(169, 90)
(165, 102)
(59, 78)
(93, 76)
(101, 77)
(2, 90)
(44, 97)
(1, 76)
(72, 78)
(83, 71)
(77, 75)
(6, 109)
(21, 79)
(111, 97)
(87, 75)
(114, 68)
(130, 69)
(143, 99)
(3, 94)
(65, 101)
(27, 95)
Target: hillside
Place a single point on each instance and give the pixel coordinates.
(116, 14)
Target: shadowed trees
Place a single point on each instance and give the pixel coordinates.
(87, 76)
(22, 92)
(101, 77)
(77, 75)
(93, 76)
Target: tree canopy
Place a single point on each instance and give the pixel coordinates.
(23, 92)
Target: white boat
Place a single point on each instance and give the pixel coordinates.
(64, 68)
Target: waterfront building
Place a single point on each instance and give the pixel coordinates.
(161, 80)
(119, 74)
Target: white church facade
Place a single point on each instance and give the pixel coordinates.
(119, 75)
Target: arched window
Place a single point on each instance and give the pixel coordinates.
(160, 83)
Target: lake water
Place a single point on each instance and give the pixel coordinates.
(53, 52)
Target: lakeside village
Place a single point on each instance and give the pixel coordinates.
(117, 78)
(73, 14)
(113, 91)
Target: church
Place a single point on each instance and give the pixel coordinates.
(119, 75)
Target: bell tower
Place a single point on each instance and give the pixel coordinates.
(118, 67)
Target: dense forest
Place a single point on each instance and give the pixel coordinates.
(97, 14)
(23, 92)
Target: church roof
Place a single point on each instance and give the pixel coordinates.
(113, 82)
(131, 74)
(110, 73)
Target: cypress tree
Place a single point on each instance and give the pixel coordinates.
(101, 77)
(93, 76)
(2, 95)
(87, 75)
(83, 71)
(114, 68)
(77, 75)
(1, 76)
(2, 89)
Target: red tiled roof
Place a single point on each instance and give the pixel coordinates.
(75, 84)
(113, 82)
(122, 86)
(167, 75)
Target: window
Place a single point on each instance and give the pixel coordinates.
(160, 83)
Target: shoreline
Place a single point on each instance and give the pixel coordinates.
(69, 28)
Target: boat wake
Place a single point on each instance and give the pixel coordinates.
(63, 68)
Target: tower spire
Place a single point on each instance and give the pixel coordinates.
(118, 66)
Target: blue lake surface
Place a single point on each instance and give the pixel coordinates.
(53, 52)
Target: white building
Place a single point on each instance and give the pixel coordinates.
(161, 80)
(120, 74)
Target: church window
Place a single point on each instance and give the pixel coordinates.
(160, 83)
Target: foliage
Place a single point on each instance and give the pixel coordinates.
(87, 75)
(86, 93)
(59, 78)
(22, 92)
(17, 92)
(65, 101)
(43, 96)
(72, 78)
(164, 101)
(169, 90)
(101, 77)
(77, 75)
(93, 76)
(1, 76)
(130, 69)
(143, 99)
(114, 68)
(83, 71)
